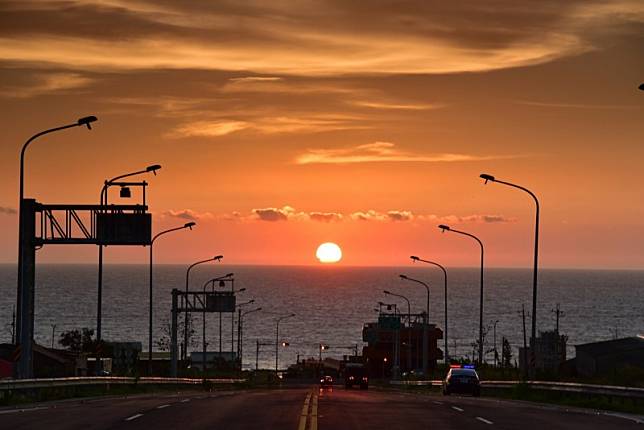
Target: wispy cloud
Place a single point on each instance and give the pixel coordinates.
(268, 125)
(396, 106)
(48, 83)
(305, 38)
(576, 105)
(384, 152)
(7, 210)
(274, 214)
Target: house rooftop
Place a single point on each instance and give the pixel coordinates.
(612, 346)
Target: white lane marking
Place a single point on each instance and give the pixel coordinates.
(438, 403)
(133, 417)
(162, 406)
(484, 420)
(633, 418)
(456, 408)
(13, 411)
(185, 400)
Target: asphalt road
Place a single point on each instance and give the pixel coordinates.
(305, 409)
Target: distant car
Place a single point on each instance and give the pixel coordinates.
(462, 380)
(326, 381)
(356, 374)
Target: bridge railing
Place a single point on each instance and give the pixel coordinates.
(19, 384)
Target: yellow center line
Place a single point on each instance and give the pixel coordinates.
(305, 413)
(313, 423)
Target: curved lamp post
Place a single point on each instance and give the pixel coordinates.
(389, 293)
(490, 178)
(445, 228)
(188, 226)
(185, 317)
(277, 341)
(425, 325)
(203, 318)
(415, 258)
(25, 317)
(240, 336)
(103, 200)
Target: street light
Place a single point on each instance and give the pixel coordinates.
(415, 258)
(490, 178)
(25, 317)
(389, 293)
(203, 319)
(185, 318)
(103, 200)
(188, 225)
(445, 228)
(240, 340)
(425, 325)
(277, 335)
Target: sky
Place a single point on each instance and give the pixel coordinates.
(285, 124)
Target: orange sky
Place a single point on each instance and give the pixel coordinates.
(282, 125)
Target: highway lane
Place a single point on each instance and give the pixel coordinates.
(304, 409)
(388, 410)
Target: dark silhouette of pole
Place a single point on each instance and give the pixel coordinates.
(277, 341)
(496, 354)
(188, 226)
(525, 344)
(203, 318)
(240, 337)
(389, 293)
(425, 325)
(99, 300)
(447, 228)
(415, 258)
(239, 311)
(490, 178)
(185, 317)
(26, 264)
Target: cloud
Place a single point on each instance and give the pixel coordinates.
(383, 152)
(7, 210)
(274, 214)
(478, 218)
(369, 215)
(186, 214)
(400, 215)
(309, 38)
(575, 105)
(267, 125)
(396, 106)
(47, 83)
(325, 216)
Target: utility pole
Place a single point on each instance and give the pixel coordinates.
(13, 325)
(53, 335)
(525, 342)
(559, 313)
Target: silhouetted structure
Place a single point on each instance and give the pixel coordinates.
(390, 335)
(604, 358)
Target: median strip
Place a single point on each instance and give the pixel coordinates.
(484, 420)
(313, 422)
(305, 413)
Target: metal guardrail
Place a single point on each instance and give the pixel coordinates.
(571, 387)
(18, 384)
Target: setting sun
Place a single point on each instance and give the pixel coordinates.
(329, 253)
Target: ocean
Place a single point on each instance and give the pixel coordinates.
(332, 303)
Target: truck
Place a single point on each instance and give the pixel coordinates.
(356, 374)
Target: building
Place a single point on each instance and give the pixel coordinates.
(549, 352)
(607, 357)
(395, 344)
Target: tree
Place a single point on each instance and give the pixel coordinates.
(506, 353)
(164, 342)
(78, 341)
